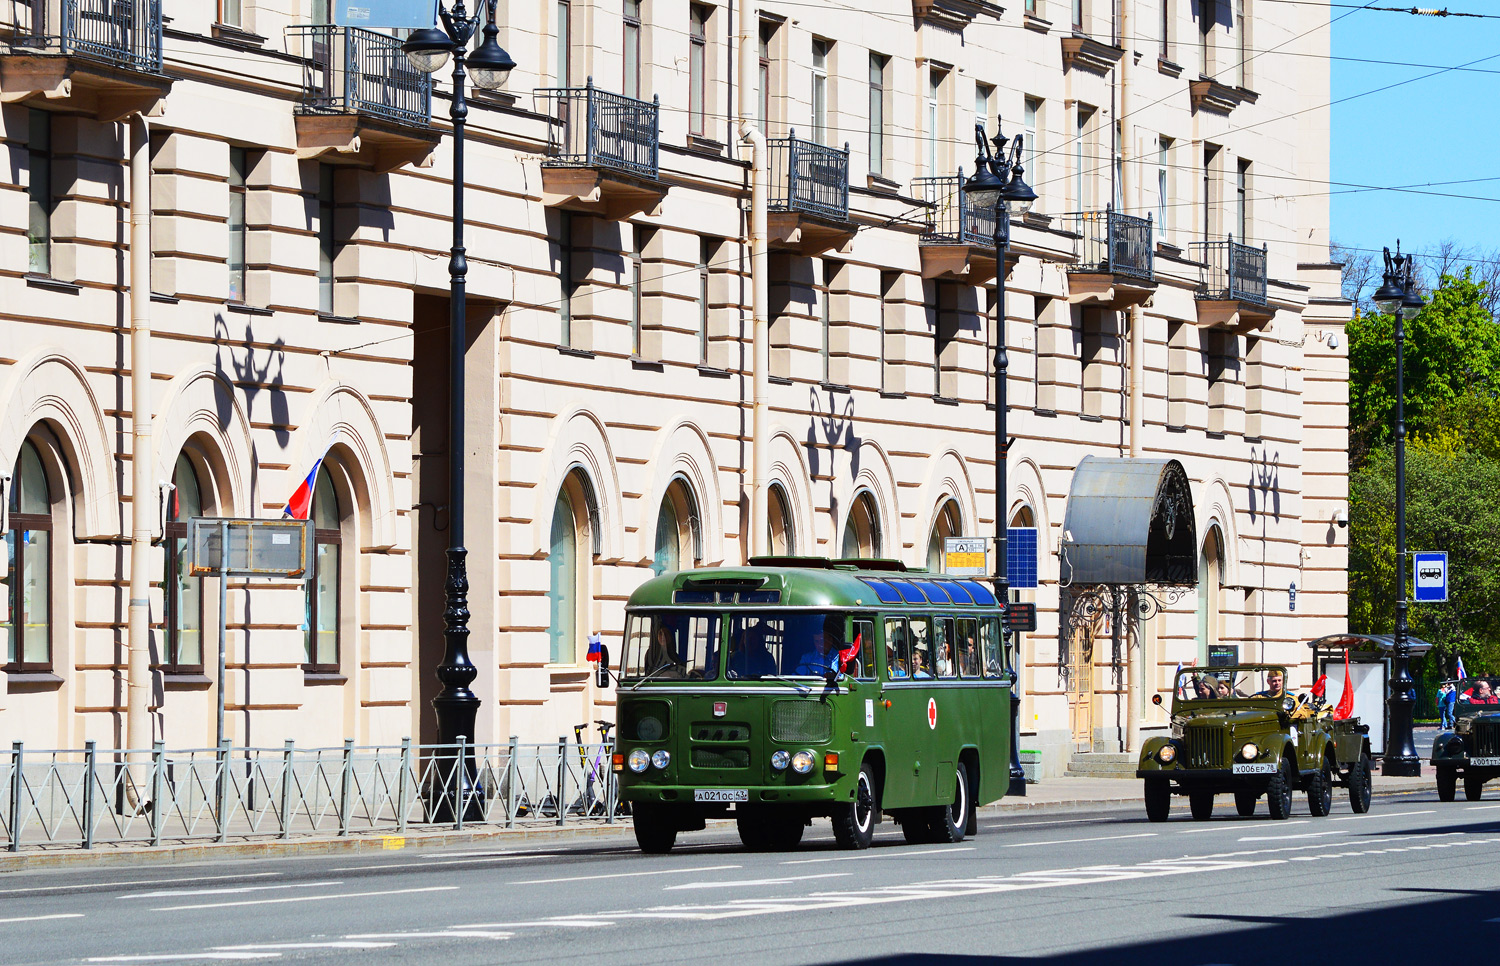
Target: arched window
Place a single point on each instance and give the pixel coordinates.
(944, 526)
(862, 530)
(183, 618)
(562, 562)
(27, 578)
(322, 634)
(783, 535)
(1210, 578)
(677, 530)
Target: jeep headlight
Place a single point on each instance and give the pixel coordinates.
(1455, 746)
(1249, 751)
(802, 762)
(780, 758)
(1288, 703)
(1166, 754)
(662, 758)
(638, 760)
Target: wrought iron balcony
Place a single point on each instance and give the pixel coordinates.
(809, 178)
(601, 130)
(350, 70)
(120, 33)
(1232, 272)
(1111, 243)
(954, 220)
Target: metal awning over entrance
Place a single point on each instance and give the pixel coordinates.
(1367, 647)
(1129, 521)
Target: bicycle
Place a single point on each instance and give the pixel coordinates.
(594, 797)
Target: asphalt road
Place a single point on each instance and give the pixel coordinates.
(1398, 884)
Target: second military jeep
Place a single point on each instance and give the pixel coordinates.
(1237, 729)
(1472, 748)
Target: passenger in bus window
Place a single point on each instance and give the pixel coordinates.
(661, 658)
(919, 668)
(968, 659)
(749, 657)
(822, 647)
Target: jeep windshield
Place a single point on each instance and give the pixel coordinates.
(1476, 696)
(1241, 682)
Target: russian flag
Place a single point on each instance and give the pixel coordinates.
(300, 505)
(596, 648)
(1458, 668)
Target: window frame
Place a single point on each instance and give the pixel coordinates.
(880, 65)
(700, 20)
(239, 176)
(822, 53)
(637, 264)
(328, 244)
(41, 198)
(707, 251)
(231, 13)
(630, 52)
(18, 523)
(173, 531)
(565, 274)
(322, 537)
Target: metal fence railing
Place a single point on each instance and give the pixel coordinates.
(809, 177)
(350, 70)
(594, 128)
(1113, 243)
(954, 220)
(91, 797)
(124, 33)
(1231, 271)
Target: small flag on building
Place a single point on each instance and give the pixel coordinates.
(596, 648)
(299, 507)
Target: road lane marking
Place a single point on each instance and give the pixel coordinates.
(625, 875)
(1232, 826)
(1101, 838)
(379, 866)
(879, 855)
(136, 882)
(1479, 808)
(1353, 818)
(1288, 838)
(178, 957)
(335, 944)
(55, 915)
(454, 933)
(232, 890)
(738, 883)
(337, 895)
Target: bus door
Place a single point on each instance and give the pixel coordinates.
(911, 758)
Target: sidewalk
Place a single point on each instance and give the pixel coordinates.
(1055, 794)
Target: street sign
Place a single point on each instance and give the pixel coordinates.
(1429, 577)
(965, 556)
(226, 546)
(378, 14)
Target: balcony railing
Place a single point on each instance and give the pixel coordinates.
(808, 177)
(350, 70)
(1111, 243)
(1231, 271)
(954, 220)
(122, 33)
(601, 129)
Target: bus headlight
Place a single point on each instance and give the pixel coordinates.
(662, 758)
(1166, 754)
(638, 760)
(780, 758)
(802, 762)
(1249, 751)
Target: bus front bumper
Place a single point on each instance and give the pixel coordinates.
(841, 790)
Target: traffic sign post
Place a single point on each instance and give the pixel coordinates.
(1429, 577)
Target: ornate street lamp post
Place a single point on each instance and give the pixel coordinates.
(997, 185)
(1397, 296)
(428, 50)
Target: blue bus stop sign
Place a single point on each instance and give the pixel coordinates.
(1429, 577)
(380, 14)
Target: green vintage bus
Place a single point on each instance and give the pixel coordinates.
(739, 695)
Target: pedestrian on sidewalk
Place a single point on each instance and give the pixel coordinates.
(1446, 698)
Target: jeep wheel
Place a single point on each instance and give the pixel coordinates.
(1201, 804)
(654, 832)
(1279, 791)
(1359, 783)
(854, 822)
(1158, 799)
(1473, 786)
(1320, 792)
(1244, 803)
(948, 823)
(1447, 783)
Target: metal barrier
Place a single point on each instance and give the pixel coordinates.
(125, 33)
(600, 129)
(809, 177)
(1231, 271)
(1112, 243)
(350, 70)
(955, 220)
(86, 798)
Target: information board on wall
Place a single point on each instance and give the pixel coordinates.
(1223, 655)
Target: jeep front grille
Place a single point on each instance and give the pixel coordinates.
(1485, 738)
(808, 721)
(721, 758)
(1205, 747)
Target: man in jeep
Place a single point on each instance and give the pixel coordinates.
(1275, 684)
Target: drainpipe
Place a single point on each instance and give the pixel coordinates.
(1134, 680)
(760, 365)
(138, 731)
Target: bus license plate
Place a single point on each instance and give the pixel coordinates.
(1263, 768)
(1485, 762)
(721, 795)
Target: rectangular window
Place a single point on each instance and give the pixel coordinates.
(889, 306)
(1242, 42)
(1031, 6)
(820, 50)
(1211, 192)
(1242, 202)
(897, 648)
(566, 277)
(824, 292)
(238, 169)
(935, 80)
(1206, 39)
(1077, 14)
(767, 48)
(1083, 155)
(637, 240)
(1031, 112)
(879, 64)
(564, 36)
(1164, 30)
(327, 241)
(323, 605)
(1163, 185)
(229, 13)
(40, 201)
(698, 19)
(632, 50)
(707, 248)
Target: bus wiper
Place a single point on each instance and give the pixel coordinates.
(653, 674)
(801, 688)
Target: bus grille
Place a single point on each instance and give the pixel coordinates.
(1205, 747)
(721, 758)
(801, 721)
(1485, 738)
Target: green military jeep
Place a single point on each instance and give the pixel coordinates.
(1236, 729)
(1472, 748)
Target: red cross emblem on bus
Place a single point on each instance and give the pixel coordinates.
(932, 713)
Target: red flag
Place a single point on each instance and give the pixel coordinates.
(1346, 701)
(1320, 686)
(848, 654)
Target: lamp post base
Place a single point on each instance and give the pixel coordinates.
(1401, 767)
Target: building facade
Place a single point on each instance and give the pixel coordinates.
(1168, 298)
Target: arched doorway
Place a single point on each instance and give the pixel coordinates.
(1210, 590)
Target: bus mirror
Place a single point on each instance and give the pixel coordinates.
(603, 672)
(1156, 700)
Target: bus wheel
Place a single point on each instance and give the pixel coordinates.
(654, 833)
(769, 830)
(914, 827)
(949, 822)
(854, 822)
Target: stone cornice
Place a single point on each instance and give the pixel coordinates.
(953, 14)
(1209, 95)
(1087, 54)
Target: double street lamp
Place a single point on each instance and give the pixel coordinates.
(1397, 296)
(997, 186)
(428, 50)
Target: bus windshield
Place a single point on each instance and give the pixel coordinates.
(784, 644)
(671, 646)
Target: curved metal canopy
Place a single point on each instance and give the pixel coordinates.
(1130, 521)
(1382, 643)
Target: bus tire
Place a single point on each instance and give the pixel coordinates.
(654, 832)
(854, 822)
(770, 830)
(915, 827)
(949, 822)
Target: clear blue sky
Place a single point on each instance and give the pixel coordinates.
(1437, 129)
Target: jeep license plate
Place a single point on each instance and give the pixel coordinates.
(1255, 768)
(1485, 762)
(721, 795)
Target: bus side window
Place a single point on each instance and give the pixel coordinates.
(897, 649)
(989, 648)
(921, 646)
(863, 665)
(942, 640)
(968, 647)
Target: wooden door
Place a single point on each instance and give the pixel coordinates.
(1081, 686)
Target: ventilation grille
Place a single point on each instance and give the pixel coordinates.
(801, 721)
(1205, 747)
(721, 758)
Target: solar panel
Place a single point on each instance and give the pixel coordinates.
(1020, 557)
